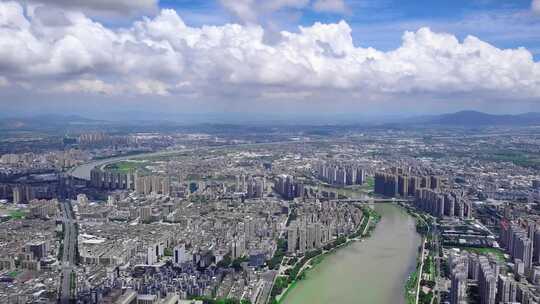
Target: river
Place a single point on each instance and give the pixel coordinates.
(83, 171)
(372, 271)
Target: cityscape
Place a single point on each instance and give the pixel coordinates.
(259, 152)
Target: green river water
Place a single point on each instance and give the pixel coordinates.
(372, 271)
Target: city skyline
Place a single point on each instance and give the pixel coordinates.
(269, 151)
(297, 56)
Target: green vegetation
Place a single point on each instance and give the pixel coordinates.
(360, 231)
(17, 214)
(168, 252)
(292, 261)
(293, 275)
(291, 287)
(423, 223)
(422, 226)
(292, 216)
(371, 217)
(485, 251)
(208, 300)
(229, 262)
(275, 261)
(237, 264)
(130, 153)
(281, 283)
(13, 273)
(225, 262)
(369, 184)
(429, 268)
(519, 158)
(425, 298)
(61, 251)
(127, 166)
(72, 283)
(339, 241)
(410, 287)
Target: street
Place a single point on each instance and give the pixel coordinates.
(67, 287)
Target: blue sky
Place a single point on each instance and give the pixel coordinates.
(380, 24)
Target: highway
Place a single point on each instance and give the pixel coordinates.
(68, 255)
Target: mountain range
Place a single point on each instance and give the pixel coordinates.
(468, 119)
(475, 118)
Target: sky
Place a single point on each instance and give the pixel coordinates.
(113, 59)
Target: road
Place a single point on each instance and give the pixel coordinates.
(68, 255)
(419, 278)
(422, 257)
(437, 246)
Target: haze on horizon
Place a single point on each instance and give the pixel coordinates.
(314, 57)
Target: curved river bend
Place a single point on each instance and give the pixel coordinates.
(372, 271)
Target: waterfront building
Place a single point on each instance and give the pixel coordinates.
(506, 289)
(487, 281)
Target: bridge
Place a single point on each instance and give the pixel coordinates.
(372, 200)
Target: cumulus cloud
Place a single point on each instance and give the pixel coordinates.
(94, 86)
(249, 11)
(163, 56)
(332, 6)
(104, 6)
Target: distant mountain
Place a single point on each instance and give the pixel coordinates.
(46, 122)
(475, 118)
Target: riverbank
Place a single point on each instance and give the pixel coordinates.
(371, 271)
(422, 278)
(369, 222)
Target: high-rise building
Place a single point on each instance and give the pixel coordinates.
(536, 246)
(147, 180)
(403, 186)
(145, 214)
(292, 237)
(166, 186)
(340, 174)
(23, 194)
(458, 289)
(386, 184)
(288, 188)
(441, 204)
(435, 182)
(487, 282)
(302, 239)
(238, 247)
(414, 184)
(506, 290)
(111, 200)
(17, 195)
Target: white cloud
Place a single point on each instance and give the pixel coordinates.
(535, 6)
(119, 7)
(163, 56)
(151, 87)
(250, 11)
(332, 6)
(94, 86)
